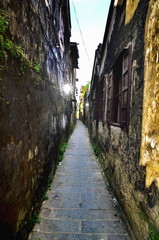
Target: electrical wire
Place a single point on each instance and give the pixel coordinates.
(81, 35)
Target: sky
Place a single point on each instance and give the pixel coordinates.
(92, 17)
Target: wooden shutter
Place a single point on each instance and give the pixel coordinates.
(96, 104)
(110, 98)
(103, 97)
(100, 100)
(125, 100)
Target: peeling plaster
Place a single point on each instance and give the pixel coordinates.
(150, 124)
(118, 2)
(131, 6)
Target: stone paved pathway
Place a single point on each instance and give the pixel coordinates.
(79, 207)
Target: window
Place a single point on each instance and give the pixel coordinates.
(100, 100)
(110, 94)
(119, 90)
(97, 109)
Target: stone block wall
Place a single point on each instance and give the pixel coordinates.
(132, 175)
(34, 111)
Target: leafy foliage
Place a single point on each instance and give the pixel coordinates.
(8, 45)
(3, 21)
(50, 179)
(34, 219)
(36, 66)
(97, 150)
(61, 152)
(45, 197)
(154, 234)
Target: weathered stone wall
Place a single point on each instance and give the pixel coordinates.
(34, 111)
(121, 148)
(150, 137)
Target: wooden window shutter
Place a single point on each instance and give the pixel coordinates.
(125, 90)
(103, 97)
(100, 99)
(96, 105)
(110, 98)
(98, 102)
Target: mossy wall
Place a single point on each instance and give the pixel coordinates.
(34, 112)
(150, 126)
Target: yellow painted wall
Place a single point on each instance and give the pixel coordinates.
(118, 2)
(150, 125)
(131, 6)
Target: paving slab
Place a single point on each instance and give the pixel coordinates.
(80, 205)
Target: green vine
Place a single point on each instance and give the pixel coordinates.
(7, 45)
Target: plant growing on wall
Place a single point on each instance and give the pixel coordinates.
(36, 66)
(7, 45)
(61, 152)
(154, 234)
(3, 21)
(97, 150)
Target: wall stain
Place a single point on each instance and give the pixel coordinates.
(150, 124)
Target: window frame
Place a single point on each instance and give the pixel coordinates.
(100, 100)
(118, 95)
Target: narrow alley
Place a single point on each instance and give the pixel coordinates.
(80, 206)
(45, 86)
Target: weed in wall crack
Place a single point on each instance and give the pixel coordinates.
(3, 21)
(7, 45)
(45, 197)
(33, 220)
(36, 66)
(61, 152)
(154, 234)
(97, 150)
(8, 103)
(50, 179)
